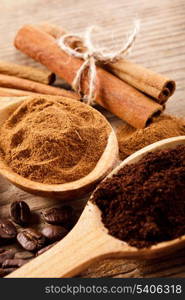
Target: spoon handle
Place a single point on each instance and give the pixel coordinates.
(6, 101)
(68, 257)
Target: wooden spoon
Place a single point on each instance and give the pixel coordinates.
(68, 190)
(89, 239)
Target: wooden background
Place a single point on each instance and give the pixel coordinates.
(160, 46)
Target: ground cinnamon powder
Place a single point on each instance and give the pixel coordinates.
(130, 139)
(144, 203)
(53, 141)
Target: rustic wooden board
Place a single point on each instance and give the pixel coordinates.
(160, 46)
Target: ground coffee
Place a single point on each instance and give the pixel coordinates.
(130, 139)
(53, 141)
(144, 203)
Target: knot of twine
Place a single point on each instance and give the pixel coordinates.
(92, 56)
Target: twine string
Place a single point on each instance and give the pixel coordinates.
(91, 56)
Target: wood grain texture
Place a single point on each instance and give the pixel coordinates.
(159, 46)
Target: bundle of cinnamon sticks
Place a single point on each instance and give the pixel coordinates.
(131, 92)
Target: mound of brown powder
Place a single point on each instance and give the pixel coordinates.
(130, 139)
(53, 141)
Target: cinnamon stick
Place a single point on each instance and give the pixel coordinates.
(53, 30)
(56, 32)
(26, 72)
(156, 85)
(112, 93)
(6, 92)
(153, 84)
(34, 87)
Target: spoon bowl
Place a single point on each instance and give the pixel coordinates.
(89, 240)
(68, 190)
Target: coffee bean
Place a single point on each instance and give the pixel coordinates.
(7, 230)
(6, 254)
(58, 216)
(31, 239)
(4, 272)
(24, 255)
(14, 263)
(53, 232)
(45, 249)
(20, 212)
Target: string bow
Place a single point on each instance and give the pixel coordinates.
(92, 56)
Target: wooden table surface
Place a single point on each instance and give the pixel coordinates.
(160, 46)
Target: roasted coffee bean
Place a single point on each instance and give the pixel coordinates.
(14, 263)
(53, 232)
(6, 254)
(45, 249)
(24, 255)
(20, 212)
(7, 230)
(58, 216)
(4, 272)
(31, 239)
